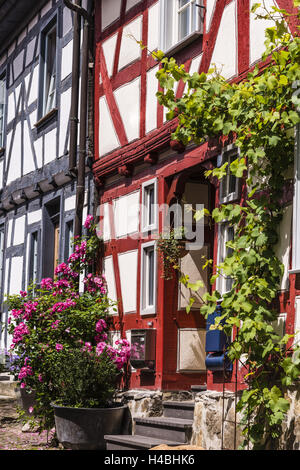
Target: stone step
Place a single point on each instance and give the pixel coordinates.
(9, 388)
(8, 407)
(122, 442)
(179, 409)
(171, 429)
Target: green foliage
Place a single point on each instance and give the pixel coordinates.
(259, 114)
(82, 379)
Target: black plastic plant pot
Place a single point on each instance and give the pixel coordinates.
(85, 428)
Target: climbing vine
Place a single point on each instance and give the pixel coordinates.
(259, 114)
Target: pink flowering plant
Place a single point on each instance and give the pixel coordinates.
(60, 335)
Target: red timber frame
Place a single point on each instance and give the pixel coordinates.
(123, 160)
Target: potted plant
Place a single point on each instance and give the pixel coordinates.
(59, 329)
(171, 246)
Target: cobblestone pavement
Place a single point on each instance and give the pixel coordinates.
(12, 438)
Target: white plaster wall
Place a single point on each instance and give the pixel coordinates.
(19, 230)
(108, 271)
(105, 222)
(257, 31)
(50, 146)
(28, 154)
(128, 275)
(153, 27)
(65, 104)
(33, 93)
(110, 12)
(108, 139)
(109, 47)
(9, 232)
(128, 100)
(70, 203)
(38, 147)
(66, 60)
(131, 3)
(210, 7)
(282, 249)
(126, 214)
(34, 217)
(11, 107)
(225, 51)
(16, 275)
(151, 100)
(130, 50)
(14, 170)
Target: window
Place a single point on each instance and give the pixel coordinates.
(2, 108)
(149, 202)
(148, 278)
(230, 185)
(225, 234)
(2, 232)
(69, 234)
(296, 207)
(48, 70)
(51, 237)
(181, 22)
(33, 258)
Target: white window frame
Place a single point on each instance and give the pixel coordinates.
(229, 152)
(222, 253)
(296, 207)
(145, 307)
(48, 93)
(146, 226)
(176, 42)
(2, 109)
(33, 257)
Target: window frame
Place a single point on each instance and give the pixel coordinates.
(145, 226)
(37, 232)
(43, 96)
(223, 238)
(67, 238)
(145, 307)
(177, 43)
(3, 77)
(227, 153)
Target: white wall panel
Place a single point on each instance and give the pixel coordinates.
(19, 230)
(66, 60)
(108, 139)
(110, 12)
(257, 31)
(128, 274)
(33, 92)
(282, 249)
(109, 47)
(130, 50)
(70, 203)
(225, 51)
(16, 275)
(126, 214)
(34, 217)
(14, 170)
(28, 161)
(210, 6)
(151, 100)
(50, 146)
(65, 104)
(108, 270)
(128, 100)
(131, 3)
(153, 27)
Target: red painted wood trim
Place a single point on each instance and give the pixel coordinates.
(144, 74)
(114, 110)
(209, 39)
(292, 21)
(119, 37)
(243, 25)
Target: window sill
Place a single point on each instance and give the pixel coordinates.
(183, 43)
(45, 119)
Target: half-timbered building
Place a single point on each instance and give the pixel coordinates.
(137, 166)
(38, 176)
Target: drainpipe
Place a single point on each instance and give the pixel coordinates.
(80, 188)
(75, 86)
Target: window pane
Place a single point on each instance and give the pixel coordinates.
(2, 103)
(184, 23)
(150, 204)
(183, 2)
(232, 178)
(50, 76)
(150, 256)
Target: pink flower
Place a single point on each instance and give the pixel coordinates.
(30, 409)
(47, 283)
(59, 347)
(20, 331)
(88, 222)
(101, 325)
(23, 293)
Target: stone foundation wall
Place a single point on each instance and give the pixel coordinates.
(209, 409)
